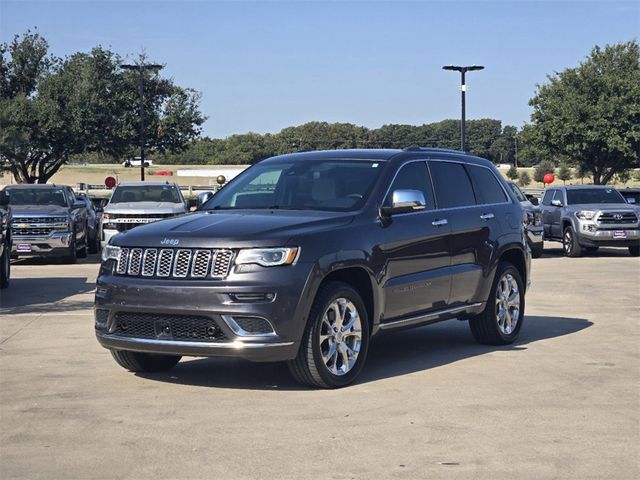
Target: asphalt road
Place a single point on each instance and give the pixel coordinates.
(564, 402)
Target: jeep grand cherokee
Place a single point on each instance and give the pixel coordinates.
(303, 258)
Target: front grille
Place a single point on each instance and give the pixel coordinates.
(156, 216)
(39, 219)
(35, 232)
(617, 218)
(168, 327)
(174, 263)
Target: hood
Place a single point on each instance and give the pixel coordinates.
(220, 229)
(39, 210)
(145, 208)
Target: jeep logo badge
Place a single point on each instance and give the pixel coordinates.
(170, 241)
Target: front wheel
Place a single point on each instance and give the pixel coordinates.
(635, 251)
(72, 255)
(335, 342)
(502, 318)
(570, 244)
(144, 362)
(5, 267)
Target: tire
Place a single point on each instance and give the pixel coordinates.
(144, 362)
(314, 365)
(536, 251)
(5, 267)
(486, 327)
(635, 251)
(82, 253)
(570, 245)
(94, 245)
(72, 256)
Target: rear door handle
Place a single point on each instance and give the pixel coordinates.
(487, 216)
(439, 223)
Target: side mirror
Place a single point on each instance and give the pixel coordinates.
(534, 201)
(405, 201)
(4, 198)
(556, 203)
(204, 197)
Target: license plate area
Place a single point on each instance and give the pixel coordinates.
(619, 234)
(23, 248)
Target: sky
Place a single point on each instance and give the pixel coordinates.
(263, 66)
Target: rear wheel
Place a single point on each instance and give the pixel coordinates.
(144, 362)
(335, 342)
(501, 320)
(94, 245)
(5, 266)
(634, 251)
(570, 244)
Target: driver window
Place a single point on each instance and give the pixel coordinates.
(412, 176)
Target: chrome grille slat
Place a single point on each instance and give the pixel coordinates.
(174, 263)
(165, 261)
(200, 264)
(135, 260)
(181, 264)
(123, 260)
(149, 262)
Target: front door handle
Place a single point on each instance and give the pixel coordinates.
(439, 223)
(487, 216)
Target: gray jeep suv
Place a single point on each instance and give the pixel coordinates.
(589, 217)
(303, 258)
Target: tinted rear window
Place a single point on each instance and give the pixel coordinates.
(487, 187)
(451, 185)
(593, 195)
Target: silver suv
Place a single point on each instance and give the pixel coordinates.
(589, 217)
(139, 203)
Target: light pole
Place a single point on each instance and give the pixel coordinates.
(463, 88)
(141, 68)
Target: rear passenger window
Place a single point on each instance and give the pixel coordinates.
(412, 176)
(487, 187)
(451, 184)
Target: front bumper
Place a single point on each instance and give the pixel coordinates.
(618, 237)
(55, 244)
(213, 300)
(535, 235)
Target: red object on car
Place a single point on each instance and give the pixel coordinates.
(164, 172)
(548, 178)
(109, 182)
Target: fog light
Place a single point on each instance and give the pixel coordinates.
(252, 297)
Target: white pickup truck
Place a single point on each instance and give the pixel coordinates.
(138, 203)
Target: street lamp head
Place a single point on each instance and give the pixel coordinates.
(452, 67)
(474, 67)
(459, 68)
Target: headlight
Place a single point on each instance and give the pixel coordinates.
(585, 214)
(110, 252)
(267, 257)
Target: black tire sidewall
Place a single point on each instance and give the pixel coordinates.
(5, 267)
(326, 298)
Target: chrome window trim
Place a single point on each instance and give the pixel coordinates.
(436, 209)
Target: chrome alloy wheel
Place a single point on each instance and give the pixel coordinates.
(507, 304)
(568, 241)
(340, 336)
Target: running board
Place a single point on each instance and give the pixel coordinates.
(429, 317)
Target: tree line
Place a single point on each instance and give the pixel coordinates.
(85, 108)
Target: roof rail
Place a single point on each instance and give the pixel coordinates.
(415, 148)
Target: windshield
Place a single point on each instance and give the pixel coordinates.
(332, 185)
(38, 196)
(144, 193)
(519, 195)
(593, 195)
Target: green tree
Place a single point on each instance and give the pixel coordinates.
(542, 169)
(524, 179)
(52, 110)
(590, 115)
(512, 173)
(564, 173)
(636, 176)
(624, 176)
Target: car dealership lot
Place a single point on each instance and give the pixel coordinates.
(563, 402)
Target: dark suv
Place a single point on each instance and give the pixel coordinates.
(304, 257)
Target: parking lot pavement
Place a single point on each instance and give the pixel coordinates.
(561, 403)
